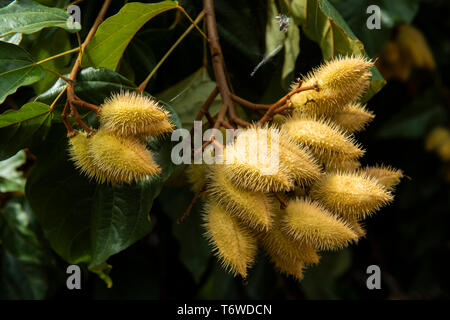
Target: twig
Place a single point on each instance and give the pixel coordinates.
(191, 205)
(283, 203)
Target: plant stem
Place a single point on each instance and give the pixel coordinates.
(57, 56)
(143, 85)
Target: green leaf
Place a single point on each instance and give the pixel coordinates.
(13, 38)
(114, 34)
(187, 96)
(392, 13)
(50, 43)
(323, 24)
(27, 267)
(194, 250)
(10, 178)
(24, 127)
(92, 85)
(84, 221)
(26, 16)
(17, 69)
(321, 281)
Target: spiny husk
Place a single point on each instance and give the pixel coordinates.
(288, 266)
(233, 244)
(350, 165)
(277, 243)
(413, 43)
(309, 222)
(385, 175)
(340, 80)
(250, 169)
(79, 154)
(324, 139)
(353, 117)
(197, 175)
(350, 194)
(121, 159)
(254, 208)
(356, 226)
(132, 114)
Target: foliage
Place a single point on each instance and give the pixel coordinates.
(51, 216)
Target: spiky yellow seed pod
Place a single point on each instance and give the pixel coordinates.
(385, 175)
(350, 194)
(353, 117)
(234, 245)
(341, 81)
(302, 166)
(252, 163)
(290, 267)
(324, 139)
(79, 154)
(309, 222)
(332, 165)
(436, 138)
(278, 244)
(197, 176)
(254, 208)
(121, 159)
(132, 114)
(356, 226)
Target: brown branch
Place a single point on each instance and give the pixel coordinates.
(283, 203)
(191, 205)
(248, 104)
(71, 97)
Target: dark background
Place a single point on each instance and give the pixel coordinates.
(409, 240)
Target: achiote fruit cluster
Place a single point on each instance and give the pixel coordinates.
(116, 152)
(308, 193)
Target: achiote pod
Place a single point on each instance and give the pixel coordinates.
(353, 117)
(197, 176)
(121, 159)
(350, 194)
(132, 114)
(340, 81)
(233, 244)
(80, 155)
(253, 208)
(385, 175)
(278, 244)
(324, 139)
(248, 169)
(288, 266)
(309, 222)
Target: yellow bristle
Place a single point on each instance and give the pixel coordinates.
(234, 245)
(341, 81)
(385, 175)
(249, 168)
(290, 267)
(354, 117)
(121, 159)
(278, 243)
(324, 139)
(133, 114)
(356, 226)
(254, 208)
(341, 165)
(350, 194)
(79, 154)
(309, 222)
(197, 176)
